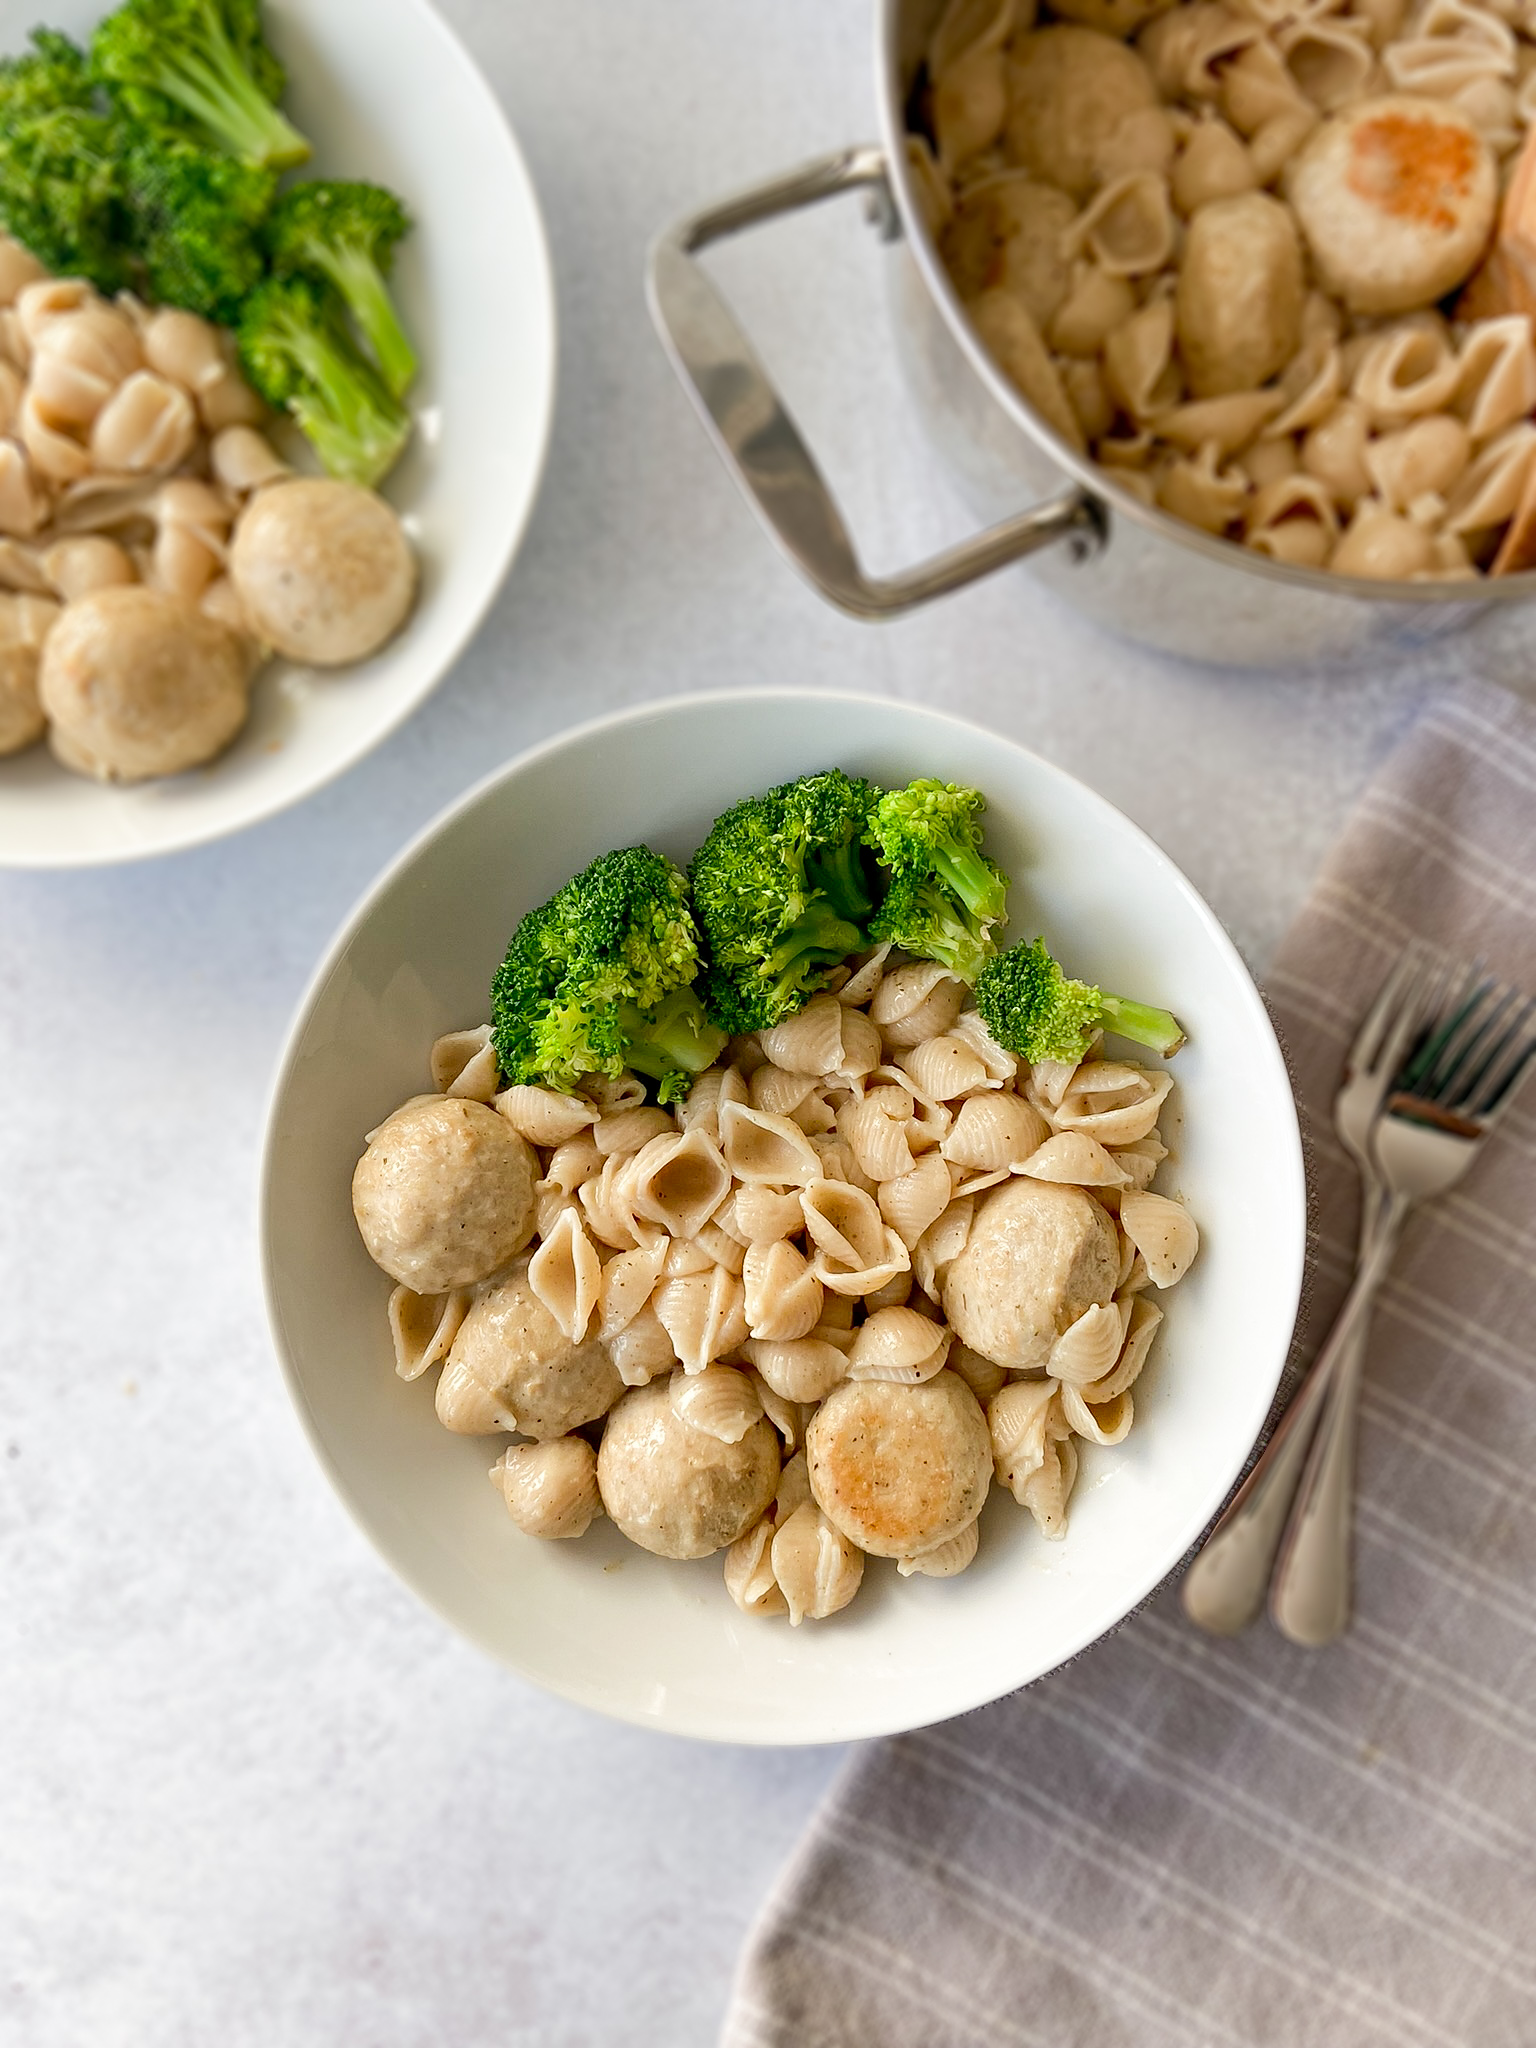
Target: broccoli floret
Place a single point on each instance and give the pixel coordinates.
(194, 216)
(1030, 1006)
(600, 978)
(944, 896)
(167, 60)
(781, 893)
(298, 356)
(346, 233)
(60, 189)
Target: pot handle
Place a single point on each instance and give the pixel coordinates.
(758, 439)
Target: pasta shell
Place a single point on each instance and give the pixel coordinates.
(1127, 228)
(550, 1488)
(982, 1375)
(1087, 1349)
(1108, 1422)
(993, 1131)
(816, 1115)
(422, 1326)
(721, 1248)
(898, 1344)
(860, 986)
(1229, 422)
(703, 1314)
(681, 1183)
(1490, 489)
(683, 1257)
(810, 1042)
(613, 1092)
(970, 1028)
(945, 1067)
(1145, 1317)
(701, 1106)
(1021, 1418)
(861, 1045)
(627, 1130)
(749, 1572)
(1076, 1159)
(549, 1205)
(544, 1117)
(978, 1183)
(843, 1222)
(874, 1128)
(839, 1164)
(1213, 164)
(896, 1293)
(967, 25)
(783, 1297)
(916, 1001)
(567, 1276)
(1430, 454)
(1496, 381)
(970, 106)
(794, 1488)
(1142, 1159)
(607, 1206)
(1046, 1491)
(778, 1091)
(759, 1147)
(818, 1570)
(1112, 1101)
(1331, 60)
(941, 1243)
(763, 1214)
(1163, 1232)
(629, 1281)
(947, 1558)
(1406, 372)
(863, 1280)
(788, 1417)
(917, 1199)
(719, 1400)
(642, 1349)
(457, 1052)
(1138, 1276)
(806, 1369)
(1049, 1081)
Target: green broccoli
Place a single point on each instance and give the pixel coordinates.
(780, 890)
(297, 355)
(346, 233)
(1030, 1006)
(166, 60)
(600, 978)
(944, 895)
(60, 190)
(194, 217)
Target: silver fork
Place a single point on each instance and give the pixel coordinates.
(1224, 1588)
(1460, 1076)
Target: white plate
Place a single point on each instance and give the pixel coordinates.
(661, 1643)
(385, 91)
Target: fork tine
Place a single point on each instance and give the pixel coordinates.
(1425, 993)
(1388, 1003)
(1506, 1065)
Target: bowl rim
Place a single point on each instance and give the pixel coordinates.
(1288, 1269)
(544, 333)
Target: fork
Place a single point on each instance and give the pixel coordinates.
(1461, 1075)
(1224, 1588)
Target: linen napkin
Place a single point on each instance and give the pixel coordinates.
(1185, 1842)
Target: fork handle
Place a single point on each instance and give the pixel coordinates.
(1311, 1594)
(1224, 1588)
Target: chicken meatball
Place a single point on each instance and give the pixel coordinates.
(1038, 1255)
(444, 1194)
(25, 623)
(513, 1367)
(899, 1469)
(323, 569)
(677, 1490)
(137, 683)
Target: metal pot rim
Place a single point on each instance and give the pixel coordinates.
(1096, 480)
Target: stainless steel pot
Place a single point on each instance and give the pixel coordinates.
(1134, 568)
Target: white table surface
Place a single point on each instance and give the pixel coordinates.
(253, 1794)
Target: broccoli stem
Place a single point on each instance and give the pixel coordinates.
(839, 874)
(1142, 1024)
(819, 939)
(361, 283)
(677, 1035)
(973, 880)
(220, 93)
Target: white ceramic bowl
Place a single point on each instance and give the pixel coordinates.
(660, 1643)
(385, 91)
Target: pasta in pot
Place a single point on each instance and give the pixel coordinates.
(800, 1348)
(1239, 253)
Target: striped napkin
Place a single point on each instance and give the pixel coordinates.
(1183, 1842)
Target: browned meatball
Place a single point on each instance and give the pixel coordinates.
(444, 1194)
(677, 1490)
(1037, 1256)
(900, 1469)
(513, 1367)
(137, 683)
